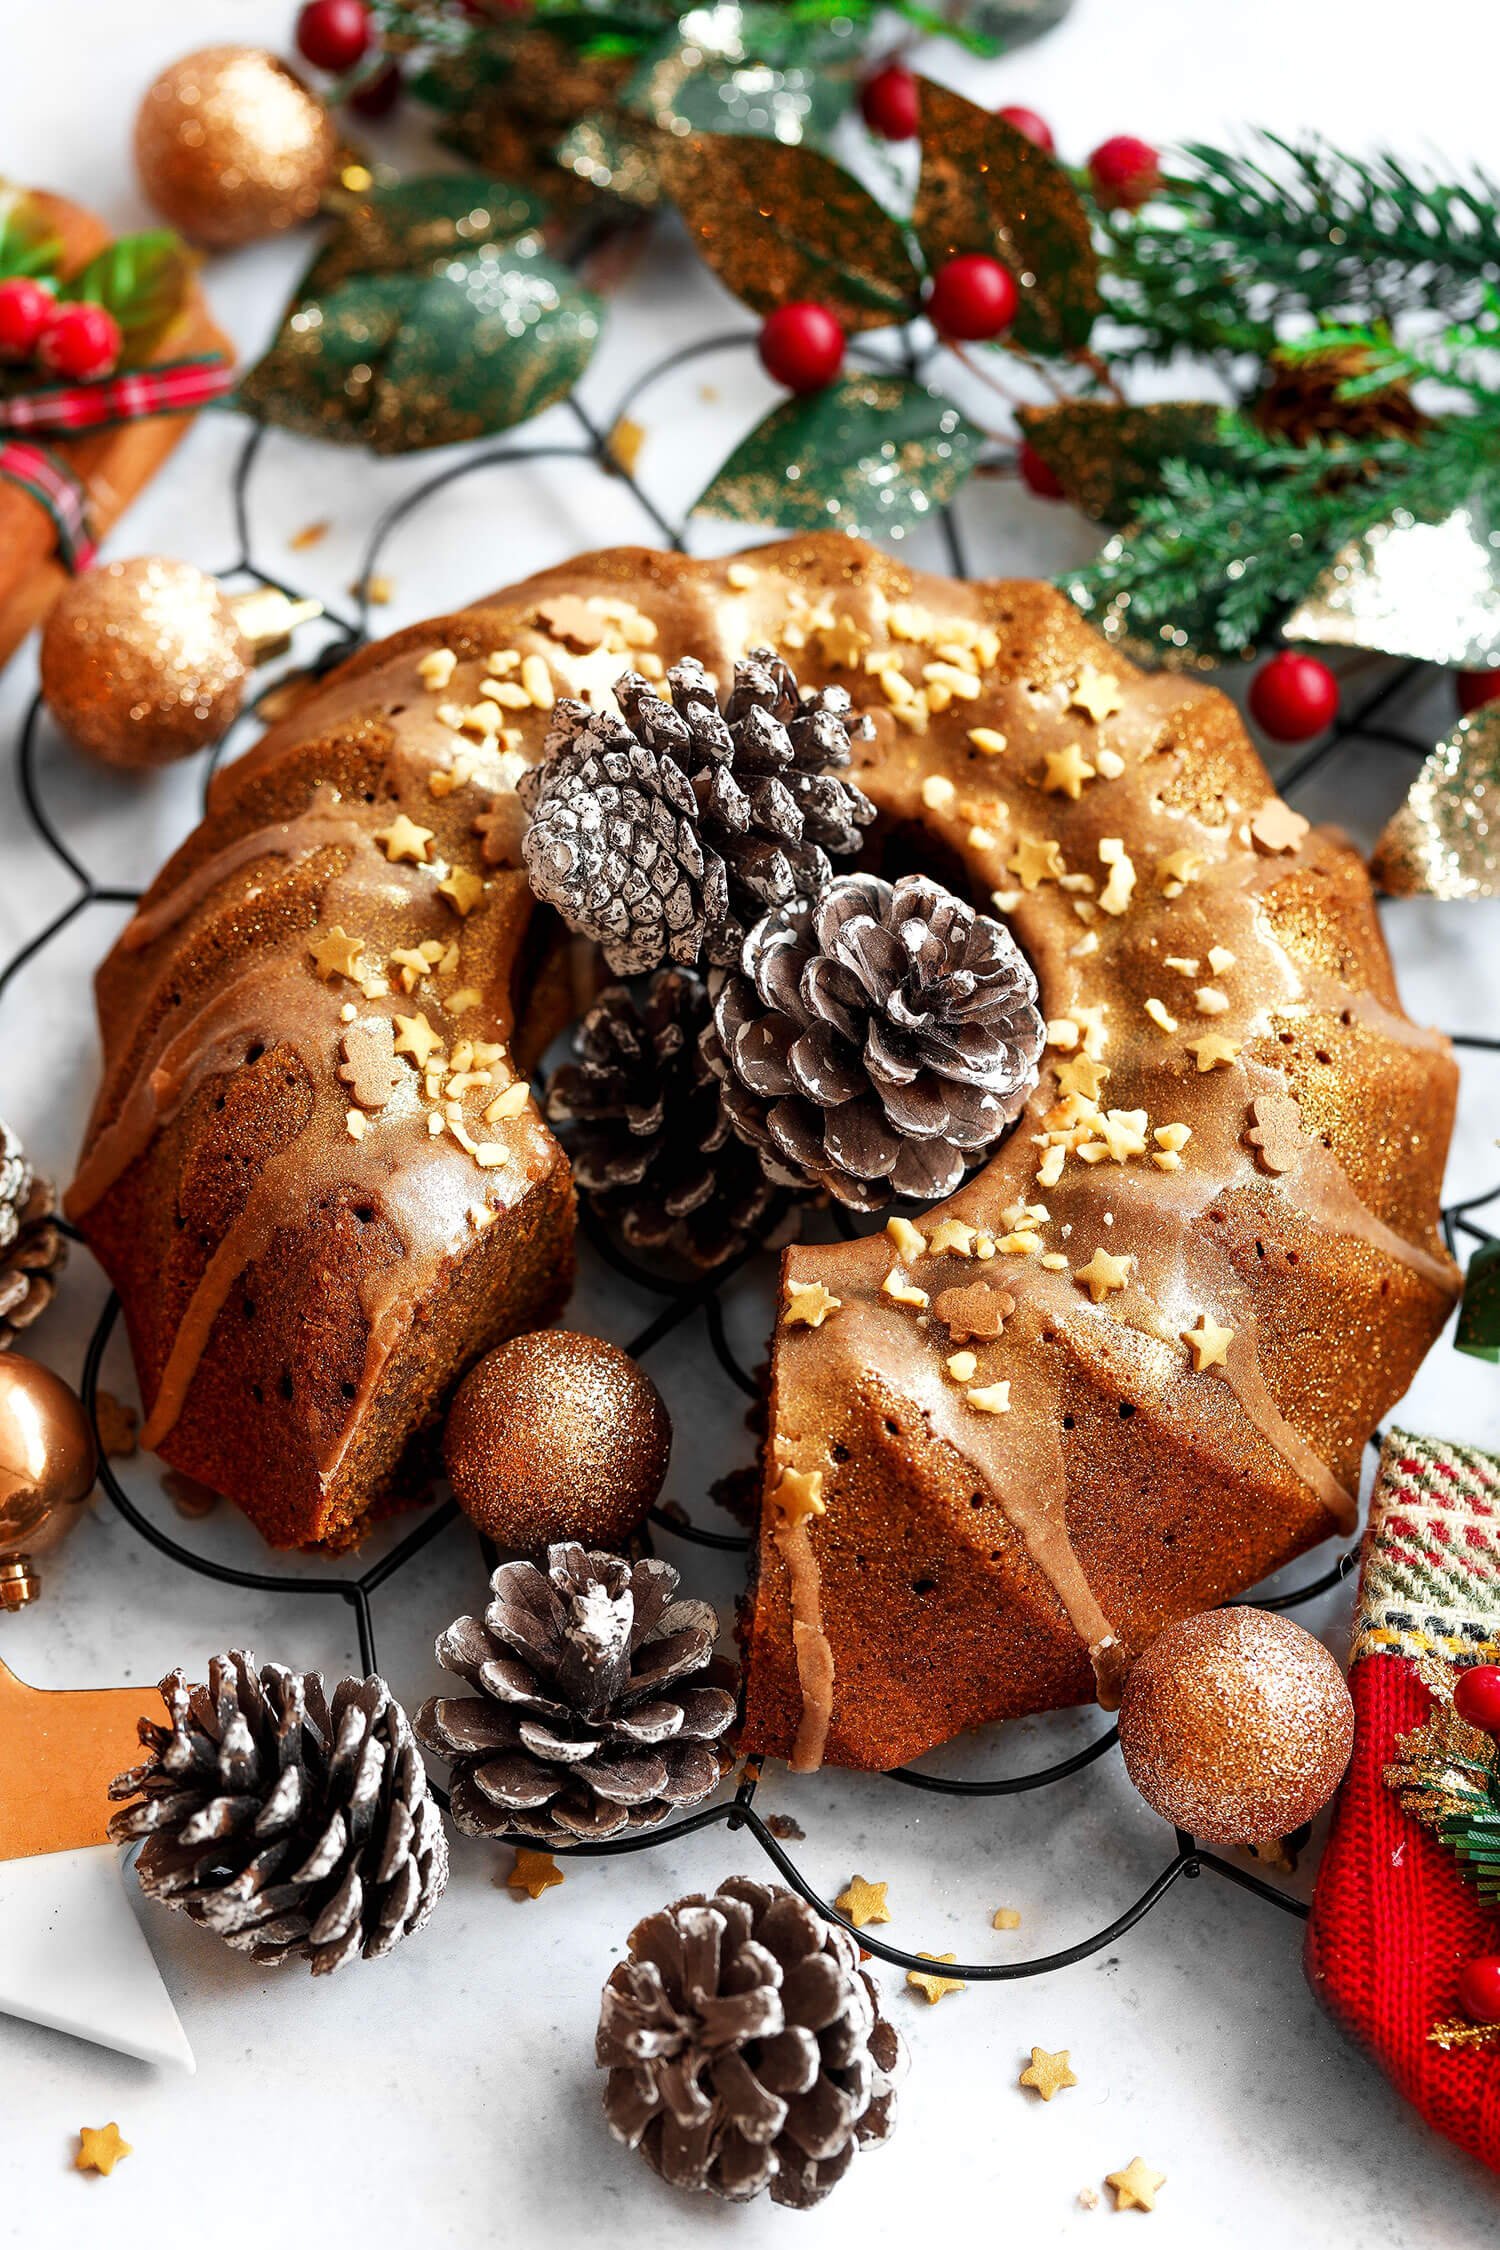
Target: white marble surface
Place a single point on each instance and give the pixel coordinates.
(448, 2095)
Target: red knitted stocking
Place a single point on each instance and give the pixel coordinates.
(1393, 1920)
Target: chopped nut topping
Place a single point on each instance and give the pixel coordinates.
(1115, 896)
(537, 681)
(1219, 959)
(1209, 1001)
(1176, 871)
(354, 1120)
(995, 1399)
(903, 1292)
(987, 741)
(938, 792)
(1185, 964)
(1157, 1011)
(741, 577)
(436, 668)
(908, 1240)
(962, 1366)
(509, 1102)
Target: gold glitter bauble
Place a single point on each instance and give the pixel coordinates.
(230, 146)
(1236, 1725)
(47, 1466)
(557, 1436)
(144, 661)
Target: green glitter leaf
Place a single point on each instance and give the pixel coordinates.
(781, 224)
(1107, 458)
(1479, 1314)
(404, 361)
(143, 280)
(408, 226)
(871, 454)
(986, 187)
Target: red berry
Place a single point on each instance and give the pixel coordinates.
(334, 34)
(1293, 697)
(26, 309)
(972, 298)
(378, 96)
(1476, 1696)
(1126, 172)
(81, 342)
(1036, 475)
(1476, 689)
(1479, 1989)
(1027, 121)
(802, 346)
(890, 104)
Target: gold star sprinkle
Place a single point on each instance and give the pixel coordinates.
(1102, 1274)
(100, 2149)
(404, 840)
(533, 1873)
(1213, 1050)
(799, 1495)
(962, 1366)
(462, 889)
(1066, 772)
(1048, 2074)
(337, 954)
(843, 644)
(1081, 1074)
(863, 1902)
(1097, 693)
(1135, 2188)
(1208, 1343)
(929, 1983)
(808, 1304)
(416, 1037)
(1036, 859)
(952, 1234)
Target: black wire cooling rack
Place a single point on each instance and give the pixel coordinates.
(1369, 721)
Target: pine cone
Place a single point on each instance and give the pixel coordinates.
(594, 1712)
(32, 1246)
(746, 2048)
(1300, 403)
(879, 1042)
(639, 1112)
(293, 1828)
(665, 837)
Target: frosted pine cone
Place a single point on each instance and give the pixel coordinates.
(32, 1245)
(639, 1112)
(746, 2048)
(595, 1706)
(292, 1827)
(879, 1041)
(666, 835)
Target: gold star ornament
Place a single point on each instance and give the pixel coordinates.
(533, 1873)
(929, 1983)
(1048, 2074)
(863, 1902)
(100, 2148)
(1136, 2187)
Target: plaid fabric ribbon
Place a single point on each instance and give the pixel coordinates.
(177, 386)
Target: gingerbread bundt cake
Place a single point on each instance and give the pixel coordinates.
(1125, 1371)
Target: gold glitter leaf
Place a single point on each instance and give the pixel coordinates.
(871, 454)
(1445, 840)
(984, 186)
(780, 224)
(1108, 458)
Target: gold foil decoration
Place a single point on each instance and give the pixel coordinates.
(1445, 840)
(1455, 2034)
(1424, 590)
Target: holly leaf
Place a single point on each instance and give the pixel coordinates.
(28, 246)
(984, 186)
(408, 226)
(143, 280)
(401, 362)
(1479, 1314)
(1108, 458)
(778, 224)
(871, 454)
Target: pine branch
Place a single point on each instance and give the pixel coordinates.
(1241, 243)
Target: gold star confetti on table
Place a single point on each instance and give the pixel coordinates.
(533, 1873)
(1048, 2074)
(929, 1983)
(337, 954)
(1096, 692)
(463, 890)
(416, 1038)
(808, 1304)
(799, 1495)
(1066, 772)
(404, 840)
(100, 2149)
(1135, 2188)
(864, 1902)
(1006, 1918)
(1213, 1050)
(1208, 1343)
(1103, 1273)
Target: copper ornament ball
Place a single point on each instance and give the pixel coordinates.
(557, 1436)
(1236, 1725)
(144, 662)
(231, 146)
(47, 1467)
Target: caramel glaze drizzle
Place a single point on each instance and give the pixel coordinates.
(427, 1185)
